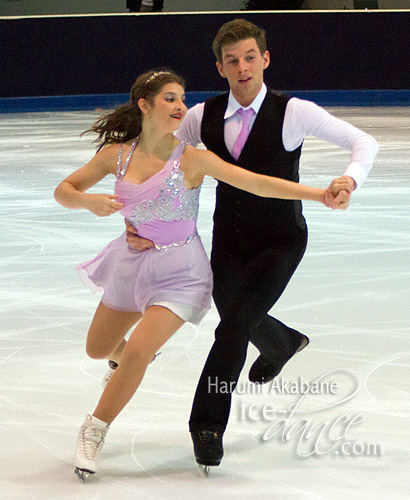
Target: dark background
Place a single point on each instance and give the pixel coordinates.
(104, 54)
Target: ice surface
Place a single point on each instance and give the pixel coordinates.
(351, 295)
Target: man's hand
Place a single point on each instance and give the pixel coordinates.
(338, 193)
(135, 241)
(339, 202)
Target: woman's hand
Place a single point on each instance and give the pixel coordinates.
(103, 205)
(338, 202)
(338, 193)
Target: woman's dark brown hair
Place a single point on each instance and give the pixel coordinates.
(124, 123)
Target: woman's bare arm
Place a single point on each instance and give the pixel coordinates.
(71, 192)
(199, 163)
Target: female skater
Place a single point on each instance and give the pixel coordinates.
(157, 188)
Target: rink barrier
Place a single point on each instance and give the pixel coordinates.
(310, 51)
(110, 101)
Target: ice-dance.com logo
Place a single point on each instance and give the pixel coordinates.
(313, 421)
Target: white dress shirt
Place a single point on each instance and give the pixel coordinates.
(302, 119)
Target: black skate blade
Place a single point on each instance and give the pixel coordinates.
(82, 474)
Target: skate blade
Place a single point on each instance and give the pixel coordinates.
(204, 470)
(82, 474)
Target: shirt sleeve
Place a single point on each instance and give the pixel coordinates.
(305, 118)
(190, 128)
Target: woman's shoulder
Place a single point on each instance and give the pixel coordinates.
(114, 148)
(187, 148)
(112, 151)
(191, 152)
(107, 157)
(109, 150)
(190, 156)
(191, 164)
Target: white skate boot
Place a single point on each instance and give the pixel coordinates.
(113, 366)
(89, 444)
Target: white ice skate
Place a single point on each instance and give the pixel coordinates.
(107, 377)
(112, 369)
(113, 366)
(89, 444)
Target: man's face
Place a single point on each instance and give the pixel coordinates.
(243, 65)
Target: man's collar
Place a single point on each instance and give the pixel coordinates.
(233, 104)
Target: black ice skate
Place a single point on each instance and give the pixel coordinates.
(208, 449)
(264, 370)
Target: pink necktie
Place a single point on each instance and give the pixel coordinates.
(243, 134)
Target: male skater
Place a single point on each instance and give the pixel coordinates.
(257, 242)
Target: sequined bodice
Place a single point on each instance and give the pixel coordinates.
(174, 202)
(161, 208)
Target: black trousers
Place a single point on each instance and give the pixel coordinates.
(246, 286)
(135, 5)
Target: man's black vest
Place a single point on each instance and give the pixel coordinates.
(239, 214)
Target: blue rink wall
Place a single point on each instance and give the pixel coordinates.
(85, 62)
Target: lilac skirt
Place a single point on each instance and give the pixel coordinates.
(132, 280)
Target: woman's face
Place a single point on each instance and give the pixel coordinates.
(168, 108)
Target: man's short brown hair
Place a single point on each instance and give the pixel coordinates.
(236, 30)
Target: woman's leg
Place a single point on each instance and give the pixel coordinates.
(156, 327)
(108, 328)
(105, 340)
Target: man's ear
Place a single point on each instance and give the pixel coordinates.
(220, 69)
(266, 59)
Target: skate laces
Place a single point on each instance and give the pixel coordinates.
(92, 439)
(108, 375)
